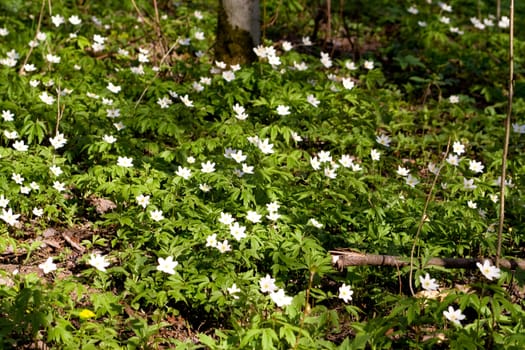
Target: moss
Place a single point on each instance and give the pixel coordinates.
(233, 45)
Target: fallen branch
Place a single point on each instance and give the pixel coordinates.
(342, 259)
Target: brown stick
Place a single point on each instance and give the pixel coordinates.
(342, 259)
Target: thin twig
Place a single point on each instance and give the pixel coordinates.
(156, 74)
(424, 217)
(22, 70)
(507, 134)
(144, 19)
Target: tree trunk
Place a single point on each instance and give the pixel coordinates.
(238, 31)
(343, 258)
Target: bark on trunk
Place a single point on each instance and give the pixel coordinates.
(342, 259)
(238, 31)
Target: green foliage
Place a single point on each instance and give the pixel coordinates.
(198, 183)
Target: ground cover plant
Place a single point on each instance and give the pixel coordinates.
(153, 197)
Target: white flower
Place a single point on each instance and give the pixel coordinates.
(455, 316)
(326, 60)
(240, 112)
(74, 20)
(211, 241)
(156, 215)
(356, 167)
(199, 35)
(300, 66)
(190, 160)
(315, 163)
(183, 172)
(472, 205)
(48, 266)
(325, 157)
(445, 7)
(272, 207)
(283, 110)
(59, 186)
(29, 67)
(38, 212)
(315, 223)
(233, 290)
(345, 293)
(238, 156)
(458, 148)
(312, 100)
(453, 159)
(411, 181)
(3, 201)
(253, 217)
(8, 116)
(348, 83)
(228, 75)
(198, 14)
(125, 162)
(114, 88)
(504, 22)
(52, 58)
(17, 178)
(296, 137)
(186, 100)
(260, 51)
(444, 19)
(475, 166)
(237, 231)
(488, 270)
(57, 20)
(20, 146)
(286, 45)
(143, 200)
(306, 41)
(204, 187)
(428, 283)
(98, 261)
(374, 154)
(402, 171)
(267, 284)
(346, 161)
(25, 190)
(368, 64)
(4, 32)
(273, 216)
(58, 141)
(197, 87)
(56, 170)
(413, 10)
(109, 139)
(46, 98)
(280, 299)
(224, 246)
(468, 184)
(247, 169)
(164, 102)
(208, 167)
(167, 265)
(205, 81)
(384, 140)
(10, 218)
(265, 146)
(330, 173)
(226, 219)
